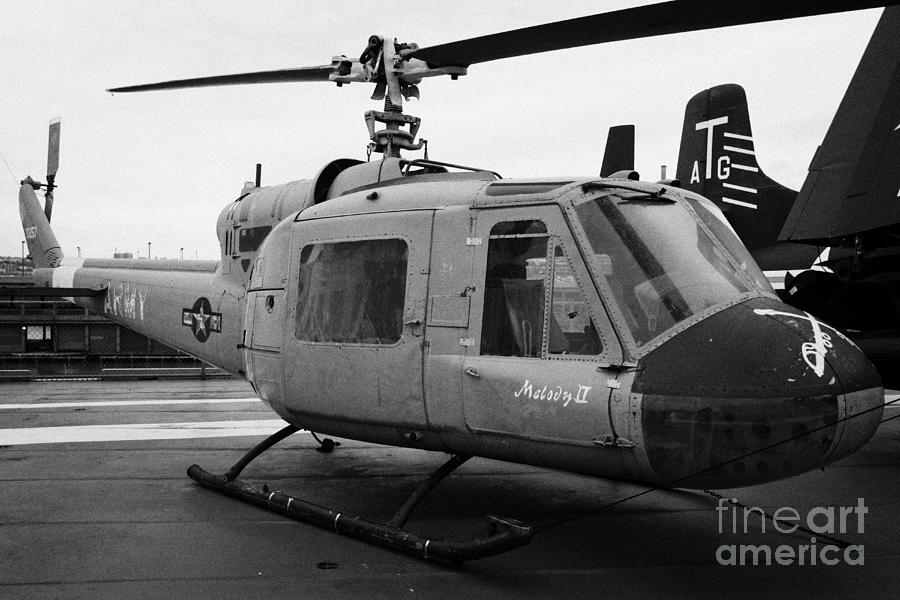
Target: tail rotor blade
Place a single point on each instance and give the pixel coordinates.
(52, 165)
(53, 149)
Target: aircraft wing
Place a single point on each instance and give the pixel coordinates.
(854, 180)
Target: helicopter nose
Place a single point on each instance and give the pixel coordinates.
(756, 392)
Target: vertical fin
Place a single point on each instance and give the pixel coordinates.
(619, 152)
(42, 244)
(717, 159)
(853, 184)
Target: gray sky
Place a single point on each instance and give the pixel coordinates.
(160, 166)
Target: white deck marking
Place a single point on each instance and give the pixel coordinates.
(890, 396)
(126, 403)
(138, 431)
(133, 369)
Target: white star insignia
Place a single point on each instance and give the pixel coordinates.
(200, 319)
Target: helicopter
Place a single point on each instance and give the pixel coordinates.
(832, 246)
(604, 326)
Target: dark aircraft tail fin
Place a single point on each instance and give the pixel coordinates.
(42, 244)
(619, 153)
(717, 159)
(853, 184)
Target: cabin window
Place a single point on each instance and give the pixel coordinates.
(352, 292)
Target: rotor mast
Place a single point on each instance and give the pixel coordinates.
(382, 61)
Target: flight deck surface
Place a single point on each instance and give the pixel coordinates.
(95, 503)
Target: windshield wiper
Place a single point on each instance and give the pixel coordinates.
(648, 192)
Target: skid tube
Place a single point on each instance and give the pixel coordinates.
(507, 535)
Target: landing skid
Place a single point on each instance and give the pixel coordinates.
(507, 533)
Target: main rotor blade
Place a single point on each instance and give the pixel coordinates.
(631, 23)
(319, 73)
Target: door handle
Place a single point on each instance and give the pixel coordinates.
(472, 372)
(415, 327)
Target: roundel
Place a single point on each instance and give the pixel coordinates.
(201, 319)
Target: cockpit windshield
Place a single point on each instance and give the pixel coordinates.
(659, 263)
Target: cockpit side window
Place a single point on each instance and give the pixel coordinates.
(533, 304)
(514, 290)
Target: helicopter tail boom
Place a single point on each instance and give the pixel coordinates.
(42, 245)
(178, 302)
(183, 304)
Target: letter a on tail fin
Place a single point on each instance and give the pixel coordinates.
(42, 244)
(717, 159)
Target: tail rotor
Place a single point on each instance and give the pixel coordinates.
(43, 247)
(52, 165)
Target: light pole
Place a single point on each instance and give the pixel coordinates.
(148, 250)
(181, 253)
(23, 257)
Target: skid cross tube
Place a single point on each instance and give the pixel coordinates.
(507, 533)
(402, 514)
(258, 449)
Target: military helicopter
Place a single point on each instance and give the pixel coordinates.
(603, 326)
(834, 244)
